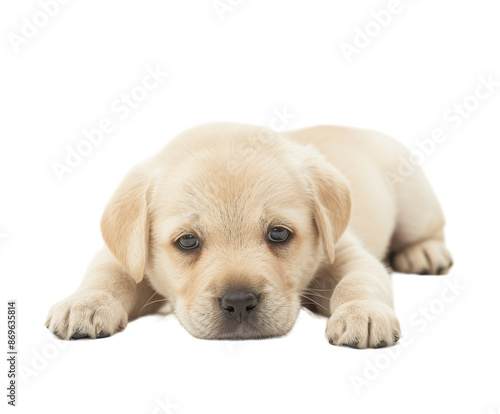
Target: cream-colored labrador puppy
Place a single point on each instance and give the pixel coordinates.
(234, 227)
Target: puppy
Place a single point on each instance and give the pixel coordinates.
(233, 228)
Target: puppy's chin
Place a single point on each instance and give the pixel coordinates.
(241, 331)
(257, 326)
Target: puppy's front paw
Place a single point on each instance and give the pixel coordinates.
(363, 324)
(94, 314)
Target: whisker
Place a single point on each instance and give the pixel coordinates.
(316, 294)
(147, 303)
(320, 290)
(319, 304)
(156, 301)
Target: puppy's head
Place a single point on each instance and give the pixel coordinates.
(230, 223)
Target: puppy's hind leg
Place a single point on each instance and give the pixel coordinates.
(417, 244)
(428, 257)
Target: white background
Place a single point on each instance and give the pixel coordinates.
(261, 57)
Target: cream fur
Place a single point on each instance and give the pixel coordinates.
(227, 184)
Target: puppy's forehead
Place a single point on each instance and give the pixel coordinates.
(235, 177)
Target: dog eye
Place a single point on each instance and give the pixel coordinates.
(187, 242)
(278, 234)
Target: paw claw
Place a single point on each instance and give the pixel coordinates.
(363, 324)
(82, 315)
(429, 257)
(79, 335)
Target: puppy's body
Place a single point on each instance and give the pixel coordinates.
(389, 211)
(229, 187)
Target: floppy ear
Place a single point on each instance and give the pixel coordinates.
(125, 223)
(332, 201)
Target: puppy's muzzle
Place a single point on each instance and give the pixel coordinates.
(239, 305)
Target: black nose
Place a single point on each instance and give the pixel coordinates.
(239, 304)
